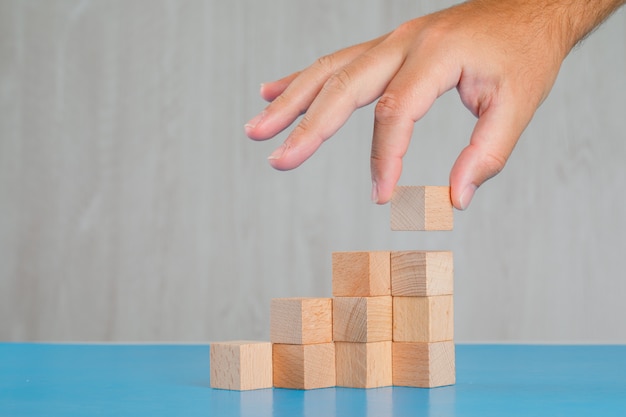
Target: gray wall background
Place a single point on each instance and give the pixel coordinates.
(133, 207)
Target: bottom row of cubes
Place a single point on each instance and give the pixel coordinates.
(256, 365)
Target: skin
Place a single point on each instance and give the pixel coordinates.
(502, 56)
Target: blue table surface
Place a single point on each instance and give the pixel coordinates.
(173, 380)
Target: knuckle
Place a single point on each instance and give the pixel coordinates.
(326, 64)
(305, 124)
(388, 109)
(388, 150)
(306, 128)
(378, 156)
(404, 29)
(493, 163)
(339, 82)
(306, 131)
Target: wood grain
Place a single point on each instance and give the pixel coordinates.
(421, 208)
(241, 365)
(301, 320)
(304, 366)
(422, 273)
(361, 274)
(423, 319)
(362, 319)
(425, 365)
(363, 365)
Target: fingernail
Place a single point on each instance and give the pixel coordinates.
(467, 195)
(278, 153)
(255, 121)
(374, 192)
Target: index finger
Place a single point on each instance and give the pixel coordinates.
(291, 96)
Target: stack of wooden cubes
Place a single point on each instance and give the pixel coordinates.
(422, 285)
(390, 321)
(301, 331)
(362, 318)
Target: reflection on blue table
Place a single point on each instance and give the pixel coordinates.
(83, 380)
(335, 401)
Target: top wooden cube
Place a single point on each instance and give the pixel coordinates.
(421, 208)
(361, 274)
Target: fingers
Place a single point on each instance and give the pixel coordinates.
(292, 95)
(406, 100)
(355, 85)
(269, 91)
(493, 139)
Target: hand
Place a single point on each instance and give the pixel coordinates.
(502, 56)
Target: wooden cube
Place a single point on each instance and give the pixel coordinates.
(421, 208)
(304, 366)
(362, 319)
(425, 365)
(361, 274)
(422, 273)
(241, 365)
(363, 365)
(301, 320)
(423, 319)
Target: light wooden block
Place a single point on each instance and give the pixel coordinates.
(425, 365)
(241, 365)
(362, 319)
(301, 320)
(363, 365)
(423, 319)
(421, 208)
(304, 366)
(422, 273)
(361, 274)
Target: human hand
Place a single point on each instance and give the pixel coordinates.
(502, 56)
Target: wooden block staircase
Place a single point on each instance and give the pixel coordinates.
(390, 321)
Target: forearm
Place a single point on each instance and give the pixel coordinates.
(568, 21)
(582, 17)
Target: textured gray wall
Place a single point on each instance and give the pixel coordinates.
(133, 208)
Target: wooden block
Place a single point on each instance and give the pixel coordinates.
(363, 365)
(241, 365)
(304, 366)
(361, 274)
(423, 319)
(301, 320)
(422, 273)
(362, 319)
(421, 208)
(425, 365)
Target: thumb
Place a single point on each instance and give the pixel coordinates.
(493, 139)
